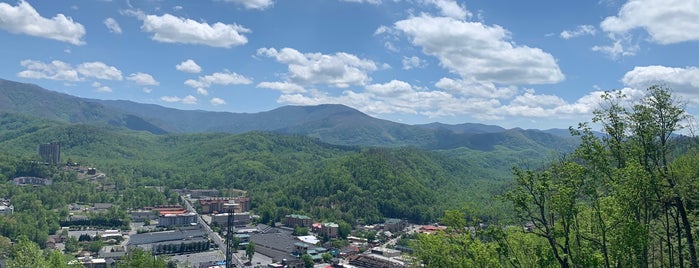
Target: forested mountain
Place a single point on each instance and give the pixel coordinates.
(335, 124)
(283, 173)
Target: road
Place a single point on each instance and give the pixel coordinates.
(220, 242)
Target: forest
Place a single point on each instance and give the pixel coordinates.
(624, 197)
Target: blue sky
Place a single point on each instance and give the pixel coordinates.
(529, 64)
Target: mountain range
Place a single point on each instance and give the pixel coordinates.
(330, 123)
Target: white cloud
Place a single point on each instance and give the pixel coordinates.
(338, 70)
(217, 101)
(143, 79)
(474, 88)
(450, 8)
(579, 31)
(284, 87)
(373, 2)
(253, 4)
(683, 81)
(99, 70)
(188, 66)
(480, 52)
(621, 46)
(189, 99)
(413, 62)
(100, 88)
(147, 90)
(55, 70)
(24, 19)
(112, 25)
(170, 29)
(58, 70)
(224, 78)
(666, 21)
(170, 99)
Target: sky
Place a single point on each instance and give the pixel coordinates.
(529, 64)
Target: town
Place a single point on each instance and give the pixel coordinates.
(213, 228)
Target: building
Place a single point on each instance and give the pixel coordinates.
(330, 229)
(198, 193)
(5, 207)
(36, 181)
(294, 220)
(394, 225)
(239, 219)
(178, 220)
(218, 205)
(224, 204)
(50, 152)
(143, 215)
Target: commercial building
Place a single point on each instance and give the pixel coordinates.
(178, 220)
(50, 152)
(239, 219)
(294, 220)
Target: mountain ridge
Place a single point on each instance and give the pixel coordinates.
(332, 123)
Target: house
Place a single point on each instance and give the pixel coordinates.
(294, 220)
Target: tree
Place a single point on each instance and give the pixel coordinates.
(72, 244)
(327, 257)
(250, 250)
(307, 260)
(138, 257)
(26, 254)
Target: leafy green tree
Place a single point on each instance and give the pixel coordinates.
(72, 244)
(327, 257)
(26, 254)
(250, 250)
(307, 260)
(138, 257)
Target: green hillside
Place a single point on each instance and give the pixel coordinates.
(282, 173)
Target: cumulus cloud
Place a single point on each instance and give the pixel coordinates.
(474, 88)
(373, 2)
(189, 99)
(219, 78)
(112, 25)
(579, 31)
(217, 101)
(24, 19)
(683, 81)
(171, 29)
(54, 70)
(253, 4)
(338, 70)
(99, 70)
(284, 87)
(100, 88)
(666, 21)
(188, 66)
(143, 79)
(450, 8)
(413, 62)
(480, 52)
(58, 70)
